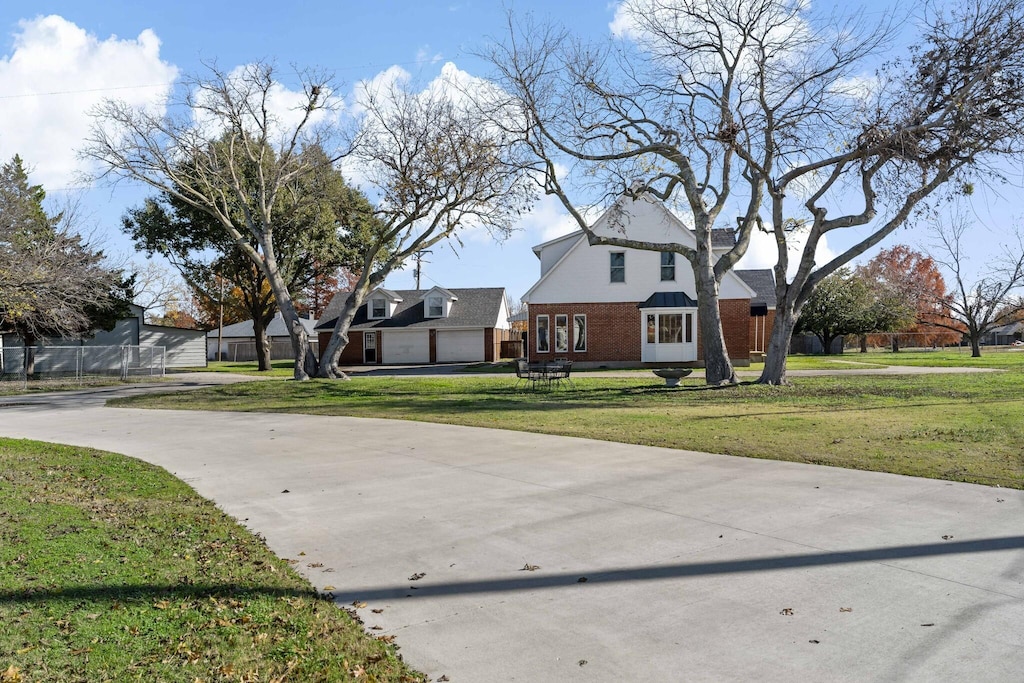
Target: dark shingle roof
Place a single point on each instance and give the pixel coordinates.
(668, 300)
(761, 281)
(476, 307)
(722, 238)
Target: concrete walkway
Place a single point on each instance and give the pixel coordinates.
(558, 559)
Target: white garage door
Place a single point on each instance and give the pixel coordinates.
(405, 347)
(460, 346)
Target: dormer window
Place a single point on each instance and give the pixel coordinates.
(435, 306)
(378, 308)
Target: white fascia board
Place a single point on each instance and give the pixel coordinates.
(541, 247)
(580, 238)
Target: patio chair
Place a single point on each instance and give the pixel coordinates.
(560, 371)
(523, 372)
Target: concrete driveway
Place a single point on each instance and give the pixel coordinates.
(558, 559)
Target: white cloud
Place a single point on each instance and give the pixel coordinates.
(424, 56)
(762, 252)
(53, 55)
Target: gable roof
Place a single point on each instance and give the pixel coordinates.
(276, 328)
(476, 307)
(762, 281)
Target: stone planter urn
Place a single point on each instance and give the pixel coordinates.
(672, 375)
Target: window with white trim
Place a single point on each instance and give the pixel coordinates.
(579, 332)
(542, 334)
(435, 307)
(378, 308)
(668, 265)
(670, 328)
(617, 266)
(561, 333)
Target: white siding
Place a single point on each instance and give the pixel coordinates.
(184, 348)
(583, 276)
(405, 346)
(460, 346)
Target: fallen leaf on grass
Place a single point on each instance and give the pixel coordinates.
(386, 639)
(163, 604)
(12, 675)
(26, 649)
(417, 576)
(328, 588)
(357, 604)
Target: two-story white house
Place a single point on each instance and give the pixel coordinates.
(606, 305)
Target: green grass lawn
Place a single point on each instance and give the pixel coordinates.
(1000, 359)
(279, 368)
(113, 570)
(967, 427)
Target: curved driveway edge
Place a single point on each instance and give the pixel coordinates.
(550, 558)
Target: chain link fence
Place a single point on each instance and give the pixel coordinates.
(55, 366)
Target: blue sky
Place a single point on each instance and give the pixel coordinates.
(57, 58)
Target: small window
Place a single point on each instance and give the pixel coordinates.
(668, 265)
(579, 332)
(435, 307)
(542, 334)
(618, 266)
(689, 328)
(561, 333)
(650, 328)
(379, 308)
(670, 328)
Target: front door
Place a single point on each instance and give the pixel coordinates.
(669, 335)
(370, 347)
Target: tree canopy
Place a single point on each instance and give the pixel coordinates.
(53, 283)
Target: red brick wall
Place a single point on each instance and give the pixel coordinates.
(613, 330)
(736, 327)
(352, 354)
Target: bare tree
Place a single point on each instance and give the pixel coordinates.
(975, 307)
(435, 166)
(155, 287)
(229, 150)
(948, 112)
(709, 100)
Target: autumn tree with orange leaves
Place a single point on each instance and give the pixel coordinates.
(916, 280)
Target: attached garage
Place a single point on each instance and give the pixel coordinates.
(460, 346)
(403, 347)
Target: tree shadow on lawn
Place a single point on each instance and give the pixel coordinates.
(150, 592)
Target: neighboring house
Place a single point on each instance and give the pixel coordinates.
(183, 348)
(1004, 335)
(415, 326)
(608, 305)
(238, 341)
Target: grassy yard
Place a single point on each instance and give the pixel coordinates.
(112, 569)
(279, 368)
(966, 427)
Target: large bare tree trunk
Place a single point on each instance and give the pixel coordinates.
(29, 356)
(259, 328)
(778, 346)
(975, 346)
(339, 336)
(718, 368)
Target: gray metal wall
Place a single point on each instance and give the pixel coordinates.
(185, 348)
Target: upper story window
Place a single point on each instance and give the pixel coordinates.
(378, 308)
(617, 272)
(435, 307)
(668, 265)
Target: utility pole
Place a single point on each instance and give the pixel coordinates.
(419, 265)
(220, 324)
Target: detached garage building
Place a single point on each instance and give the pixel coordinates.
(418, 327)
